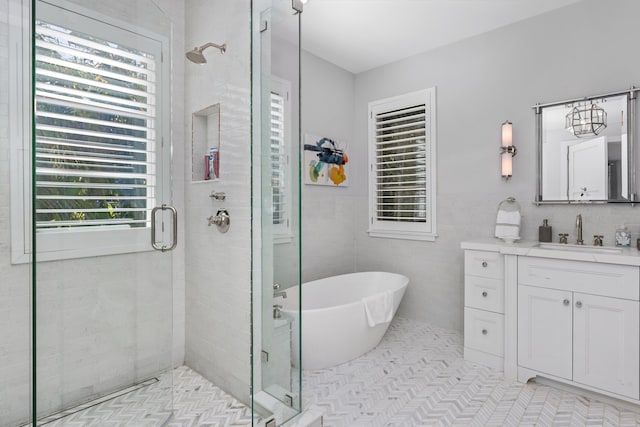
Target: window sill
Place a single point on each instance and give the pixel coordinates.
(282, 239)
(426, 237)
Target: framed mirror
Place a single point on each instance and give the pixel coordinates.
(586, 150)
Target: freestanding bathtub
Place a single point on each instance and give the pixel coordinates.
(334, 324)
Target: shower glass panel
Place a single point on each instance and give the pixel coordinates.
(279, 147)
(103, 222)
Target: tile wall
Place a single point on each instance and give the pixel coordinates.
(218, 266)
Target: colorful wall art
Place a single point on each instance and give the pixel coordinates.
(325, 162)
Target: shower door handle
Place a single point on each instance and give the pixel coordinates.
(174, 228)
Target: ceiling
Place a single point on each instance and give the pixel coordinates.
(359, 35)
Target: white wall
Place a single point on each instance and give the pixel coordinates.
(218, 266)
(328, 223)
(98, 318)
(586, 48)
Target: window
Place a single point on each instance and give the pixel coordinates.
(281, 159)
(402, 172)
(100, 160)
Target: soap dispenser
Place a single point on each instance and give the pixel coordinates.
(544, 231)
(623, 237)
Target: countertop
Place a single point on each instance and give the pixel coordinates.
(618, 255)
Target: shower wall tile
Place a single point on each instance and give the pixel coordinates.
(218, 266)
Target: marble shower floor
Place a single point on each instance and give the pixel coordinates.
(196, 402)
(417, 377)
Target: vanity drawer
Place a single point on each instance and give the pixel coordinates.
(484, 294)
(484, 331)
(611, 280)
(484, 264)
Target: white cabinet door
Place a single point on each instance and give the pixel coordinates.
(544, 330)
(605, 344)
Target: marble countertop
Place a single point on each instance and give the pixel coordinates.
(606, 254)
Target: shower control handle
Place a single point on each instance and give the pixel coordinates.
(222, 220)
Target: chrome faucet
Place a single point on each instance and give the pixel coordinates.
(277, 311)
(579, 227)
(277, 292)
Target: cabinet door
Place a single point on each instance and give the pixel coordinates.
(544, 330)
(605, 344)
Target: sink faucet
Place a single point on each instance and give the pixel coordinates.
(579, 227)
(277, 292)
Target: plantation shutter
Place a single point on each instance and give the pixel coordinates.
(279, 161)
(95, 129)
(401, 165)
(402, 156)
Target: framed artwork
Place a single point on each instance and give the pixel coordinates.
(325, 162)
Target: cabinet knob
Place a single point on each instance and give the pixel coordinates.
(484, 294)
(578, 304)
(484, 332)
(565, 302)
(484, 264)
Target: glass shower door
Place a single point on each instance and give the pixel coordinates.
(103, 222)
(280, 220)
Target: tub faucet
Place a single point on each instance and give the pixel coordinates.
(579, 227)
(277, 292)
(277, 311)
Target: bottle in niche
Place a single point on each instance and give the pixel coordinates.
(623, 237)
(544, 231)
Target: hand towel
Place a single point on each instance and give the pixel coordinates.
(507, 231)
(508, 218)
(378, 308)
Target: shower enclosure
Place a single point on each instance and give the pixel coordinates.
(112, 281)
(276, 113)
(104, 223)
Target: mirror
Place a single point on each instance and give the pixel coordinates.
(586, 150)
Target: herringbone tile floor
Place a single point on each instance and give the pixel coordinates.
(417, 377)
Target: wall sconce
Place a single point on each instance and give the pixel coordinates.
(507, 150)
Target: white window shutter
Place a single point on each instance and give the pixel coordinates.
(95, 131)
(278, 160)
(402, 155)
(280, 151)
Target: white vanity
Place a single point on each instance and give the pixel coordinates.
(570, 314)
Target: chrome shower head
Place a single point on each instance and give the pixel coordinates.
(196, 56)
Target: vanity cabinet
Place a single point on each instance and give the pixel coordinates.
(562, 314)
(484, 308)
(579, 321)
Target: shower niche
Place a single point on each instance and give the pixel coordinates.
(205, 143)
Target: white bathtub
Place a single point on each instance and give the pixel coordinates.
(334, 323)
